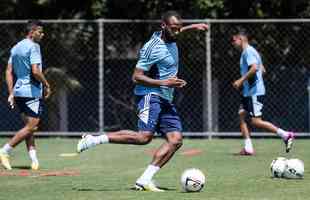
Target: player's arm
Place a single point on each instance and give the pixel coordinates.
(9, 77)
(139, 77)
(39, 76)
(200, 27)
(251, 73)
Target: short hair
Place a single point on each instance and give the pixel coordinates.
(242, 32)
(171, 13)
(31, 24)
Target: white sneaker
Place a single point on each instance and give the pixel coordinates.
(35, 166)
(5, 160)
(151, 187)
(289, 141)
(85, 143)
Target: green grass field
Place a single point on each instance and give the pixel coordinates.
(109, 171)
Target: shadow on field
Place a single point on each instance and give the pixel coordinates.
(21, 167)
(97, 189)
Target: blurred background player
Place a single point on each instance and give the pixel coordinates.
(155, 77)
(253, 92)
(24, 79)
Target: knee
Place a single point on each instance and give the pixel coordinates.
(145, 139)
(176, 143)
(32, 129)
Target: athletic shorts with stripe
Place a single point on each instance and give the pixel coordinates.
(156, 114)
(253, 105)
(32, 107)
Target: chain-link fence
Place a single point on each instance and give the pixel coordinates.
(90, 64)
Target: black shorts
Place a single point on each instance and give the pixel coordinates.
(253, 105)
(32, 107)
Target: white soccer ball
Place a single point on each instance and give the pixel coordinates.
(278, 167)
(192, 180)
(295, 169)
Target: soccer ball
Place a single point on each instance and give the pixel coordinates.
(278, 167)
(192, 180)
(295, 169)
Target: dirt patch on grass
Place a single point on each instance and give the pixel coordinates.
(40, 173)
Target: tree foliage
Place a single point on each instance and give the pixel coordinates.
(151, 9)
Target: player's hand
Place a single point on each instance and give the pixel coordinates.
(200, 27)
(237, 84)
(47, 92)
(175, 82)
(11, 101)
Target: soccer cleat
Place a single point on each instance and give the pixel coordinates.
(151, 187)
(85, 143)
(244, 152)
(35, 166)
(289, 141)
(5, 161)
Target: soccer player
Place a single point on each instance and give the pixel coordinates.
(155, 76)
(253, 92)
(25, 82)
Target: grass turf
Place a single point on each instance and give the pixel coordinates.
(109, 171)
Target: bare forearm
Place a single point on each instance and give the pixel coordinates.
(41, 78)
(249, 74)
(9, 80)
(145, 80)
(185, 28)
(201, 27)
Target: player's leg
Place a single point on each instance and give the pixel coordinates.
(248, 146)
(243, 111)
(31, 147)
(149, 109)
(117, 137)
(32, 152)
(258, 122)
(161, 156)
(164, 153)
(31, 108)
(18, 137)
(169, 123)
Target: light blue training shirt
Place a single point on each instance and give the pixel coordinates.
(159, 60)
(255, 85)
(23, 55)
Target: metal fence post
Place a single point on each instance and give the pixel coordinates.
(209, 75)
(207, 113)
(101, 74)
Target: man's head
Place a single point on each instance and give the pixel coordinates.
(240, 39)
(171, 25)
(34, 30)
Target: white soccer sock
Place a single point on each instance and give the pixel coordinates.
(101, 139)
(33, 155)
(148, 174)
(7, 148)
(282, 133)
(248, 146)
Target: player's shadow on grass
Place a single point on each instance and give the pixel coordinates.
(162, 188)
(21, 167)
(96, 189)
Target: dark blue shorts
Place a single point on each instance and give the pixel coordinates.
(253, 105)
(32, 107)
(157, 114)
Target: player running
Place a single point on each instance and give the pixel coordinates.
(253, 92)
